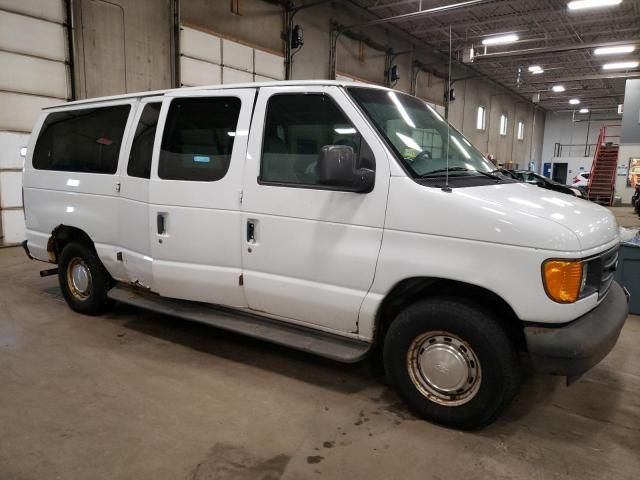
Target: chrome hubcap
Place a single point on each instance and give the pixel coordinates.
(444, 368)
(79, 278)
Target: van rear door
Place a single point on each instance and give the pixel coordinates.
(194, 195)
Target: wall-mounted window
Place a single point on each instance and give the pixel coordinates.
(481, 118)
(504, 122)
(520, 130)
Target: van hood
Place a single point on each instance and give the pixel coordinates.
(507, 213)
(592, 224)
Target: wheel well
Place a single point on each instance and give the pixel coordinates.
(62, 235)
(412, 290)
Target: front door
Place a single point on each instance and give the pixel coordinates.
(309, 251)
(195, 195)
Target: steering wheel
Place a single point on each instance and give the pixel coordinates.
(423, 155)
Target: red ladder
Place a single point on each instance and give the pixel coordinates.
(602, 179)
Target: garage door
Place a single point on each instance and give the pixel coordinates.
(209, 59)
(34, 74)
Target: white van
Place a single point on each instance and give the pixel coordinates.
(338, 219)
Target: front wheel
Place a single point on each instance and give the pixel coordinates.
(451, 362)
(83, 279)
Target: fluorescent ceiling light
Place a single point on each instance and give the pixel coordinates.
(620, 65)
(536, 69)
(584, 110)
(574, 101)
(461, 148)
(501, 39)
(558, 88)
(612, 50)
(403, 113)
(345, 131)
(581, 4)
(409, 142)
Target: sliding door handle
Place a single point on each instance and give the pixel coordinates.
(251, 231)
(161, 223)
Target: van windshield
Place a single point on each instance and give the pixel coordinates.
(422, 138)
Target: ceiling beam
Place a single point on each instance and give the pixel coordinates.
(417, 14)
(559, 48)
(595, 76)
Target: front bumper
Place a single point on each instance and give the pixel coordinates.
(573, 348)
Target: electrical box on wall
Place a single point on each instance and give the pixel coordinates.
(467, 55)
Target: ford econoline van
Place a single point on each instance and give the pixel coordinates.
(338, 219)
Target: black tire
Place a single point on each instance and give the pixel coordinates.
(93, 300)
(479, 336)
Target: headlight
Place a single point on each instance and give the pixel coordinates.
(564, 279)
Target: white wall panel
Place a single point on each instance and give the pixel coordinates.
(231, 75)
(200, 45)
(260, 78)
(236, 55)
(19, 112)
(10, 145)
(28, 35)
(10, 189)
(269, 65)
(13, 227)
(52, 10)
(196, 72)
(20, 73)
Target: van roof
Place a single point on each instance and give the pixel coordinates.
(155, 93)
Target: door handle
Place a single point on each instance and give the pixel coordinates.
(251, 231)
(161, 224)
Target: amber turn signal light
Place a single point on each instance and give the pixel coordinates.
(562, 280)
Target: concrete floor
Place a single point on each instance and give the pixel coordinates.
(137, 395)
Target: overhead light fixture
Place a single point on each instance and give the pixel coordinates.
(558, 88)
(536, 69)
(614, 50)
(584, 110)
(574, 101)
(582, 4)
(620, 65)
(501, 39)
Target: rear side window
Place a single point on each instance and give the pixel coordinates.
(198, 138)
(86, 140)
(142, 146)
(297, 126)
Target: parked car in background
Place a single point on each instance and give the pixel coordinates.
(543, 182)
(581, 180)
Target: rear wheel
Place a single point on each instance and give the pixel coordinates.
(83, 279)
(451, 362)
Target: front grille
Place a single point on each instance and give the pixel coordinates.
(608, 265)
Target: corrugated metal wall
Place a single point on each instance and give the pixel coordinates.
(34, 74)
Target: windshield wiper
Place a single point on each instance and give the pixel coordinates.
(461, 169)
(441, 170)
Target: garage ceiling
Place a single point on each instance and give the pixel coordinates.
(563, 43)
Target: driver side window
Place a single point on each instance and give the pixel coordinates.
(297, 126)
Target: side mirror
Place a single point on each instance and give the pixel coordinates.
(337, 168)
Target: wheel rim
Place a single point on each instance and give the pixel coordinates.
(79, 278)
(444, 368)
